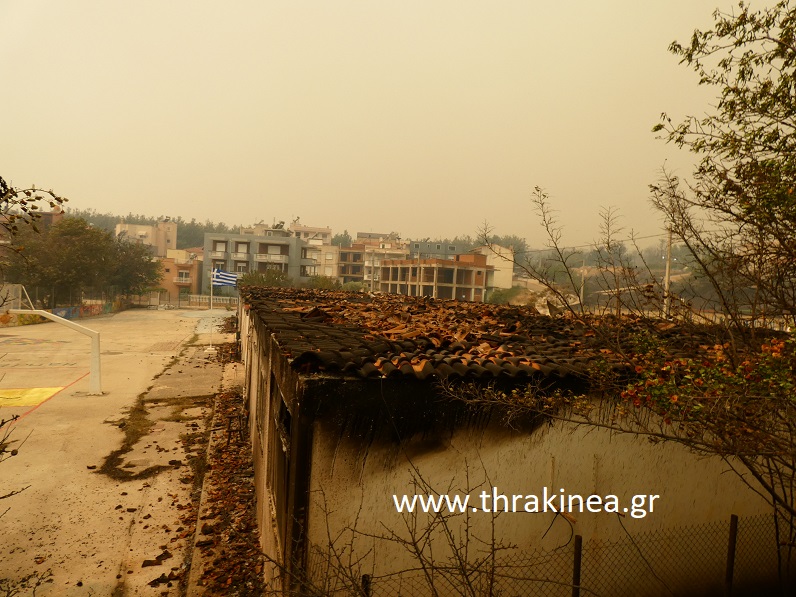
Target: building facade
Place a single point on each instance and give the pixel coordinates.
(347, 416)
(313, 234)
(501, 260)
(272, 249)
(435, 249)
(463, 278)
(361, 262)
(161, 237)
(182, 272)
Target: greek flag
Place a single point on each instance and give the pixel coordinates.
(222, 278)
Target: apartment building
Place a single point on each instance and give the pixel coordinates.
(273, 248)
(161, 237)
(362, 261)
(435, 249)
(182, 271)
(502, 261)
(311, 234)
(463, 278)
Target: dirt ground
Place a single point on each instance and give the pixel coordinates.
(106, 491)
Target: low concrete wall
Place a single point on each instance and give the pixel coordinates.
(71, 313)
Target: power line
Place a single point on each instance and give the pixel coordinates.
(593, 245)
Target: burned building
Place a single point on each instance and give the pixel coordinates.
(346, 394)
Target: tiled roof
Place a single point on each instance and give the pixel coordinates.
(394, 336)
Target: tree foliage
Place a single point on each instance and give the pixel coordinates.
(189, 233)
(737, 213)
(323, 283)
(21, 208)
(268, 277)
(342, 239)
(20, 212)
(736, 221)
(72, 257)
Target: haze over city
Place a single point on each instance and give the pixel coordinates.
(424, 118)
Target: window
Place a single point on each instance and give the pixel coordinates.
(439, 247)
(278, 477)
(167, 270)
(220, 245)
(417, 245)
(451, 248)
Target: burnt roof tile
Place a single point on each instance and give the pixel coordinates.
(393, 335)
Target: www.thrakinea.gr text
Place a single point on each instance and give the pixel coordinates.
(546, 501)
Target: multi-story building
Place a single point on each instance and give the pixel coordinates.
(362, 261)
(351, 264)
(182, 272)
(463, 278)
(502, 261)
(311, 233)
(161, 237)
(435, 249)
(328, 261)
(272, 248)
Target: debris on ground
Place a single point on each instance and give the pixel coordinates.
(228, 539)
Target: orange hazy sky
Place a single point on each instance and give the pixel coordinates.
(426, 118)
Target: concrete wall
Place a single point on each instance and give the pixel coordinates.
(352, 475)
(352, 484)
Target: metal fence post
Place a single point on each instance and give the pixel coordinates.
(576, 566)
(731, 555)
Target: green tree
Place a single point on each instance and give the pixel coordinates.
(72, 257)
(20, 214)
(323, 282)
(736, 217)
(189, 234)
(135, 271)
(342, 239)
(269, 277)
(737, 212)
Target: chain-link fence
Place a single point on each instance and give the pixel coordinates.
(729, 557)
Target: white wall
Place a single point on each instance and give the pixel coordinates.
(352, 482)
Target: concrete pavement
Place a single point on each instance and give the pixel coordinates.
(113, 480)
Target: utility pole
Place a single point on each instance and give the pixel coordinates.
(582, 284)
(667, 277)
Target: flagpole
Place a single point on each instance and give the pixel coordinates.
(223, 279)
(210, 348)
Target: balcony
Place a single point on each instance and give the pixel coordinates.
(240, 256)
(218, 254)
(269, 258)
(183, 280)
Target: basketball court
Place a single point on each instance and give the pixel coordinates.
(34, 369)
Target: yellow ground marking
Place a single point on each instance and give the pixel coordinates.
(26, 396)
